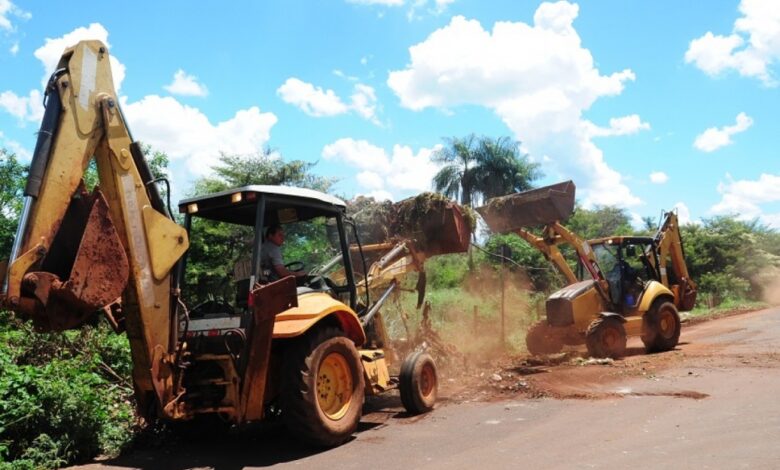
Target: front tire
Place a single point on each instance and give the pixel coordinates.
(661, 327)
(322, 388)
(418, 383)
(606, 337)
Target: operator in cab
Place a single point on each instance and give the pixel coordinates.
(271, 260)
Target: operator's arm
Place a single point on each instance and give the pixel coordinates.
(274, 254)
(281, 271)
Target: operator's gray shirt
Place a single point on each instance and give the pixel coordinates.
(270, 256)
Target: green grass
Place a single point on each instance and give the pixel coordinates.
(727, 306)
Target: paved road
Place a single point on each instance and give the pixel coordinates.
(712, 403)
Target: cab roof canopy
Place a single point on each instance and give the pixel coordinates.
(284, 204)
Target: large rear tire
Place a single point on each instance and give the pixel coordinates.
(606, 337)
(322, 388)
(541, 339)
(661, 327)
(418, 383)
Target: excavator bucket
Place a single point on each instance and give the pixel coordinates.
(87, 253)
(539, 206)
(437, 224)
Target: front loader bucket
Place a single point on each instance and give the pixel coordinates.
(539, 206)
(88, 254)
(437, 224)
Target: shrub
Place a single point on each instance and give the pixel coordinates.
(64, 398)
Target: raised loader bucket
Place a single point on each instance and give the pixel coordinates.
(434, 222)
(539, 206)
(86, 268)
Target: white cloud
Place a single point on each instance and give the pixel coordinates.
(341, 74)
(744, 198)
(683, 213)
(317, 102)
(14, 49)
(625, 125)
(386, 3)
(24, 108)
(15, 147)
(433, 7)
(8, 10)
(537, 78)
(49, 54)
(751, 49)
(370, 180)
(400, 172)
(379, 195)
(714, 138)
(186, 85)
(659, 177)
(358, 153)
(312, 100)
(437, 8)
(185, 133)
(364, 102)
(30, 107)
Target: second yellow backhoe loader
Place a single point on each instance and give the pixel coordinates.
(619, 286)
(309, 351)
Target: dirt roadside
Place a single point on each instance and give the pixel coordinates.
(573, 375)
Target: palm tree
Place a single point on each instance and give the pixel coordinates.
(456, 178)
(502, 169)
(478, 169)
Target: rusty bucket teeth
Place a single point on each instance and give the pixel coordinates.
(539, 206)
(98, 275)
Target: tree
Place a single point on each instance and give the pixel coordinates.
(601, 221)
(501, 168)
(12, 180)
(730, 258)
(265, 167)
(477, 169)
(456, 179)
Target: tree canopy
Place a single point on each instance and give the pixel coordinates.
(476, 169)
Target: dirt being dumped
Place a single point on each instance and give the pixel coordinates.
(437, 224)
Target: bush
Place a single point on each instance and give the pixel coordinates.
(64, 398)
(723, 286)
(447, 271)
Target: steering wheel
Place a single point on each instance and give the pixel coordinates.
(294, 266)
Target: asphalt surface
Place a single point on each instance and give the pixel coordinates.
(711, 403)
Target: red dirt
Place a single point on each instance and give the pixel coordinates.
(570, 375)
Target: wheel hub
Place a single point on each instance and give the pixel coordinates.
(666, 324)
(334, 386)
(427, 380)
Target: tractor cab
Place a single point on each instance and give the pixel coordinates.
(628, 264)
(317, 241)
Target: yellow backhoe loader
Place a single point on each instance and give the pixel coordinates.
(310, 351)
(620, 286)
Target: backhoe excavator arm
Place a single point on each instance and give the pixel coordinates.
(555, 234)
(671, 254)
(77, 253)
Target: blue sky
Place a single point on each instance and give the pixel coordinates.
(645, 105)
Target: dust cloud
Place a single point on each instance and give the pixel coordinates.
(770, 282)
